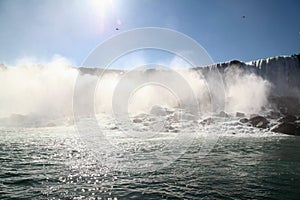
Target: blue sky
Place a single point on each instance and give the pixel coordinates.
(41, 29)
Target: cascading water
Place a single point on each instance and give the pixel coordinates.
(47, 91)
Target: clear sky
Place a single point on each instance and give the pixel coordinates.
(72, 28)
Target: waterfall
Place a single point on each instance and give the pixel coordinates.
(283, 72)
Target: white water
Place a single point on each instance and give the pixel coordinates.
(46, 91)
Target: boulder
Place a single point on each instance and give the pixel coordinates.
(253, 115)
(289, 128)
(207, 121)
(288, 118)
(223, 114)
(244, 120)
(137, 120)
(239, 114)
(259, 122)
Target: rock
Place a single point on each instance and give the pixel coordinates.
(274, 115)
(137, 120)
(288, 118)
(259, 122)
(244, 120)
(207, 121)
(158, 111)
(239, 114)
(253, 115)
(289, 128)
(170, 128)
(236, 63)
(223, 114)
(113, 128)
(146, 124)
(286, 105)
(141, 115)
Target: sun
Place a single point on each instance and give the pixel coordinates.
(101, 5)
(102, 11)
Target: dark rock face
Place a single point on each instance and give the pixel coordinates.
(259, 122)
(289, 128)
(288, 118)
(286, 105)
(236, 62)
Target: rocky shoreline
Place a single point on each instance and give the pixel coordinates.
(287, 124)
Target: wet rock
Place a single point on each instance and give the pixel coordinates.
(288, 118)
(113, 128)
(253, 115)
(207, 121)
(137, 120)
(170, 128)
(239, 114)
(289, 128)
(244, 120)
(259, 122)
(223, 114)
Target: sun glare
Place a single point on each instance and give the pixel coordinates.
(101, 5)
(103, 10)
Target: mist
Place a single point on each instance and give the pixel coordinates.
(45, 91)
(246, 92)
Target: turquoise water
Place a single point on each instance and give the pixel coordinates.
(51, 163)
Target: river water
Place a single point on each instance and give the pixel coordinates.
(54, 163)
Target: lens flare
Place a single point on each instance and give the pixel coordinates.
(119, 22)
